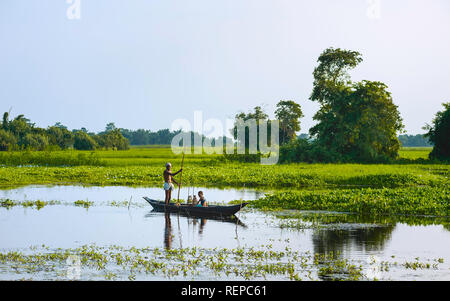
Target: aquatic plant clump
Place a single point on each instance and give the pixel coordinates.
(83, 203)
(8, 203)
(433, 201)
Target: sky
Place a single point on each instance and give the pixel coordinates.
(144, 64)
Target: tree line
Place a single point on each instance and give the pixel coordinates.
(418, 140)
(164, 137)
(21, 134)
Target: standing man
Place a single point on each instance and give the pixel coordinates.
(168, 179)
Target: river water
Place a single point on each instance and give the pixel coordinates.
(355, 238)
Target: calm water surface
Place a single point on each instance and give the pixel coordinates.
(72, 193)
(68, 226)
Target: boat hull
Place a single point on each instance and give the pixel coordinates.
(195, 211)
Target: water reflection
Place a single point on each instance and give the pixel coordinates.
(194, 222)
(362, 239)
(167, 231)
(202, 225)
(359, 238)
(336, 232)
(191, 221)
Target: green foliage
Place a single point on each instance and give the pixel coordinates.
(7, 140)
(357, 121)
(34, 141)
(82, 203)
(439, 134)
(59, 135)
(20, 126)
(20, 134)
(330, 76)
(410, 200)
(288, 113)
(243, 158)
(83, 141)
(113, 139)
(50, 158)
(302, 150)
(242, 263)
(8, 203)
(414, 153)
(144, 166)
(5, 121)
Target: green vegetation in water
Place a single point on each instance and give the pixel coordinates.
(82, 203)
(433, 201)
(8, 203)
(204, 173)
(116, 262)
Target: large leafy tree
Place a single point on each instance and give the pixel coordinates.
(288, 113)
(358, 121)
(439, 134)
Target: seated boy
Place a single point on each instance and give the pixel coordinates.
(202, 201)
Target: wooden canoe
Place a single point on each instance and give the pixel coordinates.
(186, 209)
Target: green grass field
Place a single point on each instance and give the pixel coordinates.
(414, 153)
(156, 155)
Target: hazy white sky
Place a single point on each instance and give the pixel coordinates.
(142, 64)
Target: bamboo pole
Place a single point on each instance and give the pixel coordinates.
(181, 178)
